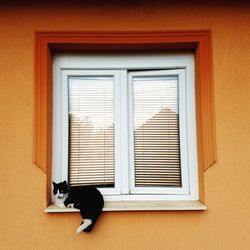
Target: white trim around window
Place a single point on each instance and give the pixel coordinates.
(123, 68)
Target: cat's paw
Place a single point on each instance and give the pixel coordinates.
(71, 205)
(61, 205)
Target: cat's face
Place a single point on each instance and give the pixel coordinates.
(60, 189)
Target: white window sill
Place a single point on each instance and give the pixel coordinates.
(138, 206)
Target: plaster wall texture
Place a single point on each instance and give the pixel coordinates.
(226, 223)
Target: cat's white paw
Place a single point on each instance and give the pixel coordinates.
(61, 205)
(71, 205)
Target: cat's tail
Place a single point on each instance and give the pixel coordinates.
(85, 224)
(91, 226)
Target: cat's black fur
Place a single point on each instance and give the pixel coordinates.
(87, 199)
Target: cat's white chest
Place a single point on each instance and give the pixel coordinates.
(59, 199)
(60, 202)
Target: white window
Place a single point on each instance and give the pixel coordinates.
(126, 124)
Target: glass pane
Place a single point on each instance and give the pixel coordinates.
(91, 131)
(156, 131)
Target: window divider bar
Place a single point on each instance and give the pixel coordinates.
(131, 132)
(124, 132)
(117, 130)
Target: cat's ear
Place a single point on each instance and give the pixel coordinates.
(54, 184)
(65, 182)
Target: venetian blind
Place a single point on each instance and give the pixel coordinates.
(156, 131)
(91, 131)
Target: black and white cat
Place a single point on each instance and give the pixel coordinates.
(87, 199)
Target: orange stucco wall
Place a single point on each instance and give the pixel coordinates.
(226, 224)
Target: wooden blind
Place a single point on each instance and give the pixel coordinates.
(91, 131)
(156, 131)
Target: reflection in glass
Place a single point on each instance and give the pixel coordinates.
(91, 131)
(156, 131)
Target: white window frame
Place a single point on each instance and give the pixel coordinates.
(118, 65)
(180, 74)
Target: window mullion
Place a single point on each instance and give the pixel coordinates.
(124, 165)
(131, 134)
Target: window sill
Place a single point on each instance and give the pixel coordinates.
(139, 206)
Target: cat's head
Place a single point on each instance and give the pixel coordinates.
(60, 189)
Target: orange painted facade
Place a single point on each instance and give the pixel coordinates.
(226, 223)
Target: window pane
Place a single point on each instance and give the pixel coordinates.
(91, 131)
(156, 131)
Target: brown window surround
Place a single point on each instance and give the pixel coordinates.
(198, 41)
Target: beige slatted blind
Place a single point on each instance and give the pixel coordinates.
(156, 131)
(91, 131)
